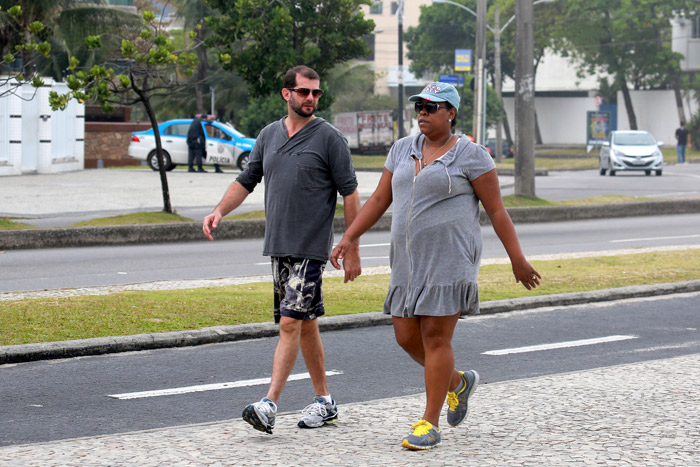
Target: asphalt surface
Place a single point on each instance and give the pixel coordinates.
(603, 416)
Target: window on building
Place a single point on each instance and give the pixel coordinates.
(369, 40)
(695, 34)
(394, 7)
(376, 7)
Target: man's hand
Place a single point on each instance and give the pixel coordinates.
(210, 223)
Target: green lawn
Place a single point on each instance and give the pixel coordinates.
(126, 313)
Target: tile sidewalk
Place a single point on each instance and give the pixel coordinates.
(640, 414)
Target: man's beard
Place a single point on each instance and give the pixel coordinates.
(299, 110)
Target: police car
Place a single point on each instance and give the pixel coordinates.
(226, 146)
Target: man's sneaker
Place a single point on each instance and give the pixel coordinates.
(318, 413)
(261, 415)
(423, 436)
(458, 402)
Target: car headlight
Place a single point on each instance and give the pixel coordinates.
(657, 153)
(618, 153)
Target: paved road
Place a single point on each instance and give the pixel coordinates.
(38, 269)
(619, 415)
(629, 400)
(53, 200)
(678, 181)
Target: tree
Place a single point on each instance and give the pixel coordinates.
(19, 41)
(261, 40)
(146, 68)
(194, 13)
(353, 86)
(432, 51)
(63, 25)
(627, 39)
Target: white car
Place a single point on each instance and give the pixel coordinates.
(226, 146)
(631, 151)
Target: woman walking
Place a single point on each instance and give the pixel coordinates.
(436, 181)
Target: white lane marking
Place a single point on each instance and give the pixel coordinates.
(210, 387)
(559, 345)
(654, 238)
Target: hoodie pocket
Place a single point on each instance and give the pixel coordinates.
(311, 178)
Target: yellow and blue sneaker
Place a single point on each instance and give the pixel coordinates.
(458, 400)
(423, 436)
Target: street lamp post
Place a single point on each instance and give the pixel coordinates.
(496, 31)
(478, 68)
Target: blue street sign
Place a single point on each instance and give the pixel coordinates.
(454, 80)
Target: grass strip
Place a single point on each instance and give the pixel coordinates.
(126, 313)
(146, 217)
(7, 224)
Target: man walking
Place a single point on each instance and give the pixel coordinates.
(305, 162)
(682, 138)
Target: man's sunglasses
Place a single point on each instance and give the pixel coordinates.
(303, 92)
(430, 107)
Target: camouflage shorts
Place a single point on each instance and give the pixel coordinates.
(297, 283)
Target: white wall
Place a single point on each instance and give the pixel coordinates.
(656, 113)
(35, 139)
(562, 120)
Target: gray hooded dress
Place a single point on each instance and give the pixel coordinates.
(435, 233)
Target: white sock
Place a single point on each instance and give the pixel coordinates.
(327, 399)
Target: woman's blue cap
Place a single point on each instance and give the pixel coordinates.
(438, 92)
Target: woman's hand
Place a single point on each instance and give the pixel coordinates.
(526, 274)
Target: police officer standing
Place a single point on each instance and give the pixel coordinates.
(196, 141)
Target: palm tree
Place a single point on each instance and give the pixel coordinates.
(194, 13)
(66, 23)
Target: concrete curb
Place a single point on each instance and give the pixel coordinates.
(105, 345)
(238, 229)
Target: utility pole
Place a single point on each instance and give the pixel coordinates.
(480, 46)
(524, 100)
(497, 78)
(399, 15)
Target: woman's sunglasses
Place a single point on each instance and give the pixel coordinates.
(430, 107)
(303, 92)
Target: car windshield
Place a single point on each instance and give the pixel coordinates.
(233, 130)
(633, 139)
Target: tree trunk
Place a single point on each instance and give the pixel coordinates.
(538, 134)
(506, 129)
(628, 104)
(201, 73)
(524, 100)
(676, 84)
(159, 152)
(673, 75)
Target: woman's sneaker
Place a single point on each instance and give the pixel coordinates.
(261, 415)
(318, 413)
(458, 402)
(424, 436)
